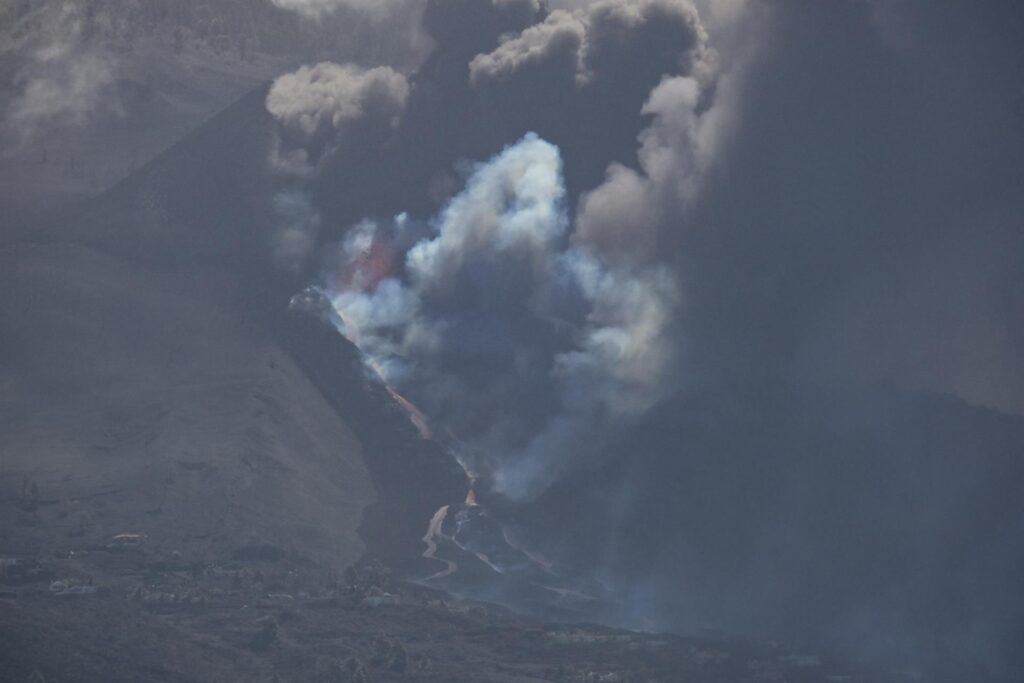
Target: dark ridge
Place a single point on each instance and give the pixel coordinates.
(206, 204)
(413, 476)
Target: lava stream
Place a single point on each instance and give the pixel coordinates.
(415, 415)
(433, 533)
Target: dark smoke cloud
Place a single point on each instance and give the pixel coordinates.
(470, 26)
(633, 209)
(852, 220)
(738, 212)
(609, 43)
(531, 351)
(861, 224)
(530, 340)
(581, 76)
(317, 104)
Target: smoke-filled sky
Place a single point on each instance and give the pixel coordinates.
(699, 267)
(642, 255)
(530, 312)
(569, 212)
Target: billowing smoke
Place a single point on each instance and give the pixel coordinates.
(317, 104)
(673, 153)
(599, 41)
(530, 350)
(67, 77)
(319, 109)
(530, 337)
(691, 237)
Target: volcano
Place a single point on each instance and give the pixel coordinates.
(192, 456)
(151, 354)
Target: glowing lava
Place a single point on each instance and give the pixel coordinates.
(433, 534)
(417, 418)
(375, 262)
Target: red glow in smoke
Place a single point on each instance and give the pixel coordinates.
(365, 272)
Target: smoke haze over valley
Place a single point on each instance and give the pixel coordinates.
(699, 318)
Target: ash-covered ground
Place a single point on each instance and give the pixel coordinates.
(126, 610)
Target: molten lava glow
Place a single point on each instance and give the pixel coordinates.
(433, 534)
(415, 415)
(375, 263)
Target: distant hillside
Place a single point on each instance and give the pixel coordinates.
(117, 81)
(246, 28)
(153, 381)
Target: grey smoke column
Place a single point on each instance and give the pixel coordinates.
(531, 339)
(530, 351)
(317, 105)
(755, 211)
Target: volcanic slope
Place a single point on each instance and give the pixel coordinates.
(146, 389)
(188, 463)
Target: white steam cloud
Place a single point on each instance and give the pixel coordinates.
(529, 349)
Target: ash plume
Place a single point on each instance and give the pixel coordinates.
(523, 329)
(682, 243)
(317, 104)
(601, 41)
(528, 349)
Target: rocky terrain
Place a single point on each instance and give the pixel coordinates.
(126, 611)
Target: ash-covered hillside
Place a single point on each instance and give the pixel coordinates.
(163, 403)
(92, 90)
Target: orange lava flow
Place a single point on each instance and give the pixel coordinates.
(415, 416)
(434, 533)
